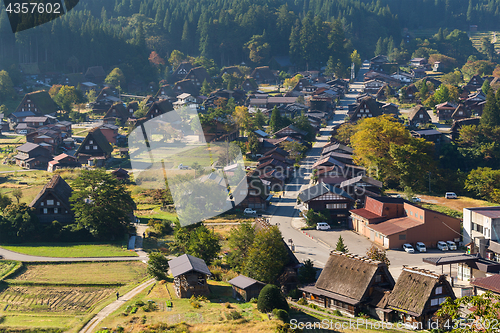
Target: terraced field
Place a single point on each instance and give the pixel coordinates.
(493, 35)
(73, 300)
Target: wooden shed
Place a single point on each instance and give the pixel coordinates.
(246, 288)
(190, 276)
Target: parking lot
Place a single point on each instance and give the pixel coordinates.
(358, 244)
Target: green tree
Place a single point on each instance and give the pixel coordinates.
(115, 78)
(91, 96)
(484, 310)
(18, 194)
(271, 298)
(205, 88)
(375, 253)
(67, 96)
(242, 118)
(253, 143)
(157, 266)
(101, 203)
(276, 121)
(379, 47)
(341, 247)
(258, 48)
(21, 222)
(484, 183)
(307, 273)
(485, 88)
(240, 241)
(176, 57)
(4, 201)
(356, 59)
(267, 256)
(442, 94)
(491, 111)
(204, 244)
(259, 119)
(6, 86)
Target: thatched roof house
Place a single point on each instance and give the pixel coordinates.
(418, 294)
(352, 284)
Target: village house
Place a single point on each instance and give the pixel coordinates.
(249, 84)
(63, 161)
(117, 111)
(486, 284)
(460, 113)
(95, 74)
(18, 117)
(373, 86)
(159, 108)
(392, 222)
(231, 70)
(198, 75)
(418, 116)
(367, 108)
(253, 191)
(246, 288)
(292, 131)
(110, 132)
(458, 124)
(445, 110)
(31, 156)
(190, 276)
(38, 102)
(121, 174)
(95, 146)
(263, 75)
(184, 100)
(429, 135)
(181, 71)
(352, 284)
(186, 86)
(327, 197)
(361, 186)
(52, 202)
(481, 231)
(417, 296)
(417, 62)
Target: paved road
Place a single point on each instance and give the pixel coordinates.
(109, 309)
(284, 213)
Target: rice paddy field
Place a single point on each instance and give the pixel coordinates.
(477, 36)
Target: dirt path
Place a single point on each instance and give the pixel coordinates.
(109, 309)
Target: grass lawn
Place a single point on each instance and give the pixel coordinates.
(155, 213)
(6, 266)
(35, 320)
(67, 250)
(88, 273)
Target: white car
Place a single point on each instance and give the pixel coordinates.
(450, 195)
(451, 245)
(322, 226)
(415, 199)
(249, 211)
(442, 246)
(408, 248)
(420, 247)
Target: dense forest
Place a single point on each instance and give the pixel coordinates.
(124, 32)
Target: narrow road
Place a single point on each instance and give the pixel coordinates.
(109, 309)
(284, 213)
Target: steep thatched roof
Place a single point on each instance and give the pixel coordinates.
(414, 289)
(58, 188)
(43, 102)
(418, 109)
(349, 275)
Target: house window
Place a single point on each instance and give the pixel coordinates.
(402, 237)
(378, 278)
(91, 142)
(441, 300)
(95, 147)
(50, 202)
(45, 210)
(439, 290)
(421, 116)
(87, 147)
(336, 206)
(58, 203)
(56, 211)
(434, 302)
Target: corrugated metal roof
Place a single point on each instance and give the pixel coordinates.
(395, 226)
(243, 282)
(186, 263)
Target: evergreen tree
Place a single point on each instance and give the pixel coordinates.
(276, 120)
(295, 46)
(341, 247)
(491, 111)
(485, 88)
(379, 47)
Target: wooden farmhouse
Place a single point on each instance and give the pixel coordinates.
(190, 276)
(417, 296)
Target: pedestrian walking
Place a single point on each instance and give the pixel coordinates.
(143, 235)
(117, 295)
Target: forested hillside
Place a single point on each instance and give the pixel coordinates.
(124, 32)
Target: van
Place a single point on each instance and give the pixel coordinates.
(450, 195)
(322, 226)
(442, 246)
(420, 247)
(451, 245)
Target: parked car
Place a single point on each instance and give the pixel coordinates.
(420, 247)
(442, 246)
(322, 226)
(450, 195)
(408, 248)
(249, 211)
(451, 245)
(415, 199)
